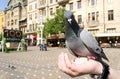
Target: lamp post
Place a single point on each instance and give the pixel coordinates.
(41, 29)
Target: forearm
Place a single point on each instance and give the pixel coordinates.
(114, 74)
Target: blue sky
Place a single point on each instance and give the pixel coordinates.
(3, 4)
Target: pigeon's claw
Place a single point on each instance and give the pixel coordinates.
(91, 57)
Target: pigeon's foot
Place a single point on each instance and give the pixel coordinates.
(91, 57)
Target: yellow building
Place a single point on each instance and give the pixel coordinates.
(2, 20)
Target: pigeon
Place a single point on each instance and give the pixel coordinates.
(11, 66)
(80, 42)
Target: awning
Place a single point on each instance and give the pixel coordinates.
(107, 34)
(35, 36)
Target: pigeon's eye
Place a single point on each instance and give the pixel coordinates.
(97, 49)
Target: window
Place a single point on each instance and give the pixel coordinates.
(51, 11)
(30, 7)
(44, 12)
(88, 17)
(79, 4)
(8, 15)
(8, 23)
(16, 22)
(110, 15)
(97, 16)
(30, 17)
(30, 27)
(12, 22)
(88, 2)
(79, 19)
(57, 8)
(2, 19)
(93, 31)
(33, 28)
(71, 6)
(35, 15)
(64, 6)
(12, 14)
(51, 1)
(93, 16)
(35, 5)
(111, 30)
(92, 2)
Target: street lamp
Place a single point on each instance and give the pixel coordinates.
(41, 29)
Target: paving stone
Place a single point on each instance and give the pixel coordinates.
(35, 64)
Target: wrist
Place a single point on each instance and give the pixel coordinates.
(99, 69)
(103, 70)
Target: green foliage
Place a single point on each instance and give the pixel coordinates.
(24, 45)
(56, 24)
(1, 37)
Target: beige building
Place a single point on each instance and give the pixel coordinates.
(100, 17)
(16, 14)
(32, 22)
(2, 20)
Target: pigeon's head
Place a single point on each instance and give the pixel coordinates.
(68, 15)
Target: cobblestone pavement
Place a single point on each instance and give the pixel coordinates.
(36, 64)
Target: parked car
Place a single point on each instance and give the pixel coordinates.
(105, 45)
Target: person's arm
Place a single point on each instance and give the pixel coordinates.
(83, 66)
(114, 74)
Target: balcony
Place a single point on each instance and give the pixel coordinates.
(61, 2)
(24, 3)
(23, 23)
(93, 23)
(17, 5)
(42, 5)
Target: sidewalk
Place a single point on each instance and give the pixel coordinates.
(36, 64)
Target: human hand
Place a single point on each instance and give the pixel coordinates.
(78, 67)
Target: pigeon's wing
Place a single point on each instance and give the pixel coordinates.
(71, 51)
(91, 43)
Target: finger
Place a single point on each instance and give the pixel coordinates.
(67, 60)
(62, 65)
(70, 64)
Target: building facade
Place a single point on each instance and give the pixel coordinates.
(16, 14)
(32, 22)
(2, 21)
(100, 17)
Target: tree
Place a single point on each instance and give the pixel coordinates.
(56, 24)
(1, 37)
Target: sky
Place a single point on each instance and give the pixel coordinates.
(3, 4)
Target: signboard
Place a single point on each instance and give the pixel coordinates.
(12, 35)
